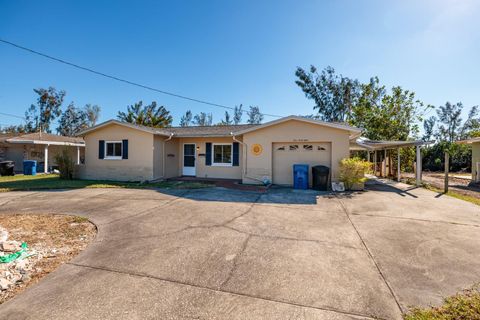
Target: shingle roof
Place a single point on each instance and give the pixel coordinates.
(45, 137)
(217, 130)
(5, 136)
(207, 131)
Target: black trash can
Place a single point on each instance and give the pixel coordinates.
(320, 176)
(6, 168)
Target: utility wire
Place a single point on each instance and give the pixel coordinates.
(12, 115)
(124, 80)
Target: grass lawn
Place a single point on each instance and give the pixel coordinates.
(52, 181)
(464, 305)
(450, 193)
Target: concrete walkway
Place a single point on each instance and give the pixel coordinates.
(228, 254)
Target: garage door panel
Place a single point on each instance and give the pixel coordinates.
(285, 155)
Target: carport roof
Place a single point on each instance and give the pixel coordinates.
(469, 141)
(46, 138)
(367, 144)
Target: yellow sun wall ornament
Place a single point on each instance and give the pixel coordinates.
(257, 149)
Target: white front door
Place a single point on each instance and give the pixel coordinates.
(189, 159)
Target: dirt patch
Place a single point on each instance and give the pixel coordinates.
(52, 240)
(458, 184)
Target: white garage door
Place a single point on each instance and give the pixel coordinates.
(285, 155)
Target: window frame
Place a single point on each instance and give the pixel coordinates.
(222, 164)
(113, 157)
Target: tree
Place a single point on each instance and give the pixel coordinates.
(92, 113)
(72, 121)
(449, 121)
(39, 116)
(237, 114)
(387, 116)
(203, 119)
(429, 128)
(471, 125)
(334, 95)
(254, 115)
(186, 119)
(150, 115)
(13, 129)
(226, 121)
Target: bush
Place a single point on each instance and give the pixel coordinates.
(352, 171)
(460, 157)
(66, 165)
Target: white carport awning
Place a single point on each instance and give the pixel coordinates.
(372, 145)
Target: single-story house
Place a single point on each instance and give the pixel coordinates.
(475, 142)
(39, 146)
(254, 154)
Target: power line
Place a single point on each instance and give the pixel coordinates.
(124, 80)
(12, 115)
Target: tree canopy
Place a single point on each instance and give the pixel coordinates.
(150, 115)
(382, 114)
(48, 107)
(254, 115)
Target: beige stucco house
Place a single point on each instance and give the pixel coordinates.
(475, 142)
(39, 146)
(254, 154)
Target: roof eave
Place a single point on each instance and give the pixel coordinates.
(120, 123)
(352, 130)
(46, 142)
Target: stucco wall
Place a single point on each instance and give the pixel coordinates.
(475, 159)
(158, 156)
(204, 171)
(259, 166)
(138, 166)
(172, 156)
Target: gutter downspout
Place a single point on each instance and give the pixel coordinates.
(165, 155)
(244, 155)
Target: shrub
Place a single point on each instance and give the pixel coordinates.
(352, 171)
(66, 165)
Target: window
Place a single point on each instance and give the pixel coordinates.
(282, 148)
(222, 154)
(113, 150)
(307, 147)
(293, 147)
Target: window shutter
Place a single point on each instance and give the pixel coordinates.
(236, 154)
(208, 154)
(124, 149)
(101, 149)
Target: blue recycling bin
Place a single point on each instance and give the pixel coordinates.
(29, 167)
(300, 176)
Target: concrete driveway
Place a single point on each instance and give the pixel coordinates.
(226, 254)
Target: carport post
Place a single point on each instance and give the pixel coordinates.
(447, 165)
(45, 165)
(78, 155)
(419, 167)
(398, 165)
(375, 162)
(384, 163)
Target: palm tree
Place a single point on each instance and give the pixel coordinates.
(150, 115)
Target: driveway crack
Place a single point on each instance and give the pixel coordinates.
(238, 294)
(235, 261)
(371, 256)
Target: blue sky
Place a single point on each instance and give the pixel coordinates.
(232, 52)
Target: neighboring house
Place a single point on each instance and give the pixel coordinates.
(42, 147)
(252, 153)
(475, 142)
